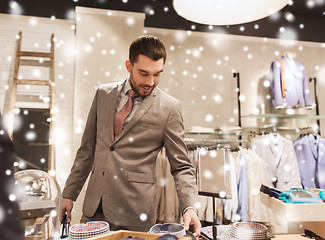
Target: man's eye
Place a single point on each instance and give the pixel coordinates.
(143, 74)
(157, 74)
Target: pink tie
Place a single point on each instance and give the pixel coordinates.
(123, 113)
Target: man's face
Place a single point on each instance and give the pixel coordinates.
(144, 74)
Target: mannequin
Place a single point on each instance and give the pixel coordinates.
(289, 55)
(288, 83)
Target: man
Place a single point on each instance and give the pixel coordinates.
(122, 184)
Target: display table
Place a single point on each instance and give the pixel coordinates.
(123, 233)
(116, 235)
(310, 215)
(290, 237)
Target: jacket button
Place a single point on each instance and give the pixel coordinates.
(111, 148)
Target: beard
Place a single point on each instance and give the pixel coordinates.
(137, 88)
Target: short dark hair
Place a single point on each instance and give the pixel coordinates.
(148, 46)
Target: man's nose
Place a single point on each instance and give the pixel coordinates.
(150, 81)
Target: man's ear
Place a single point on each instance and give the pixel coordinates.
(128, 65)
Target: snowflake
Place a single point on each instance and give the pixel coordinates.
(143, 217)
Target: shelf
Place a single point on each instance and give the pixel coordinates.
(283, 116)
(220, 141)
(219, 134)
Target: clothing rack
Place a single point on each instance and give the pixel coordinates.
(225, 145)
(212, 144)
(274, 129)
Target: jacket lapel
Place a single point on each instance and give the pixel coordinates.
(313, 145)
(143, 108)
(270, 140)
(280, 149)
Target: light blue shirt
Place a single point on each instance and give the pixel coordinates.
(243, 189)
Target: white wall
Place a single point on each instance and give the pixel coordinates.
(200, 67)
(36, 35)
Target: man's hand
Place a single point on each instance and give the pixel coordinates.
(190, 218)
(66, 207)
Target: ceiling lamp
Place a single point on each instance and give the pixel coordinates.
(227, 12)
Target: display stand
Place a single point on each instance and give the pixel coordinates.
(316, 101)
(213, 144)
(214, 223)
(37, 214)
(236, 75)
(310, 215)
(294, 116)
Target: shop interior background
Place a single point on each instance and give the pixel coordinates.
(91, 46)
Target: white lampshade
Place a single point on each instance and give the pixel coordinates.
(227, 12)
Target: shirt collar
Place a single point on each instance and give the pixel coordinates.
(127, 87)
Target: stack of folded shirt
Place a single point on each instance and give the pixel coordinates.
(88, 230)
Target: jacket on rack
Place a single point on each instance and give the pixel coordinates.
(280, 158)
(296, 84)
(310, 151)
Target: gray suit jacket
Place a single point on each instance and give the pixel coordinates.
(280, 158)
(123, 170)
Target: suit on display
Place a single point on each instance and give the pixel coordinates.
(289, 83)
(280, 158)
(123, 169)
(310, 153)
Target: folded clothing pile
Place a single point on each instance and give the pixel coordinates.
(237, 230)
(88, 230)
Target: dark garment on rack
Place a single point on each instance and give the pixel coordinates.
(310, 151)
(242, 185)
(10, 223)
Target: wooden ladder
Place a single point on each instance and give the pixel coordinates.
(38, 59)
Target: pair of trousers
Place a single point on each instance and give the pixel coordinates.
(99, 216)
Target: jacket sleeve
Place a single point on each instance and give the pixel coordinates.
(306, 91)
(275, 83)
(85, 156)
(180, 164)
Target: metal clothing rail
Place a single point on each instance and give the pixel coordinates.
(236, 75)
(221, 141)
(273, 129)
(213, 144)
(316, 101)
